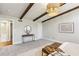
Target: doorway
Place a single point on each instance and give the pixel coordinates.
(5, 33)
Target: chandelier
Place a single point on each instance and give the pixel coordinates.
(52, 8)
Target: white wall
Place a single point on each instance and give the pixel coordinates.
(18, 28)
(51, 32)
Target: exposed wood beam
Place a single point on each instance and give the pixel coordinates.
(26, 10)
(61, 13)
(40, 16)
(45, 13)
(62, 4)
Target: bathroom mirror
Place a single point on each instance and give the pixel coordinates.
(27, 29)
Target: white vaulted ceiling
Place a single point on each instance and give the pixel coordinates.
(16, 10)
(36, 10)
(12, 9)
(63, 8)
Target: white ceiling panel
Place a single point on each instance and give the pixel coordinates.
(68, 6)
(12, 9)
(36, 10)
(44, 18)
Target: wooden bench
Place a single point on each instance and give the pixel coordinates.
(50, 48)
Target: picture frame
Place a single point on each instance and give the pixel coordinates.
(66, 27)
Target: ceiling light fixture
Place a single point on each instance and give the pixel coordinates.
(52, 8)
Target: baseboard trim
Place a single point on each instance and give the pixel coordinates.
(54, 40)
(5, 43)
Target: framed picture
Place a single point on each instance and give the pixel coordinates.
(66, 27)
